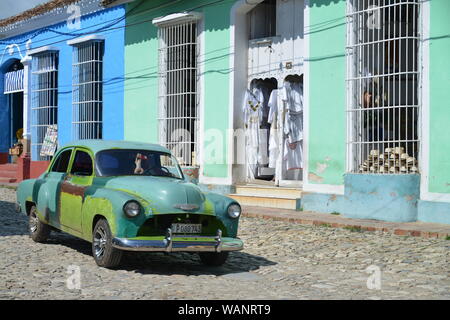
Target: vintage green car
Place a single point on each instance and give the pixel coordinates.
(131, 196)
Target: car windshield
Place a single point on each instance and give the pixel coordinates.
(122, 162)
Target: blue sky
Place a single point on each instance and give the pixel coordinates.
(12, 7)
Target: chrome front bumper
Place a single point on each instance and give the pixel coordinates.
(180, 243)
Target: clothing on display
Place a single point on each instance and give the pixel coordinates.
(275, 119)
(256, 140)
(292, 97)
(274, 127)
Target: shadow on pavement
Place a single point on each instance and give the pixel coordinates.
(12, 223)
(179, 263)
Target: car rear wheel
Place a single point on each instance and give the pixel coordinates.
(105, 255)
(213, 259)
(39, 231)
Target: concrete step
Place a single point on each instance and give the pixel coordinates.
(267, 201)
(7, 180)
(270, 191)
(8, 167)
(8, 174)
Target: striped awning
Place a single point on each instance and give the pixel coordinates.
(13, 81)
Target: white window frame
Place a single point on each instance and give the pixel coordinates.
(87, 87)
(44, 97)
(395, 100)
(179, 112)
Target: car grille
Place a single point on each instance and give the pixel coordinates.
(158, 224)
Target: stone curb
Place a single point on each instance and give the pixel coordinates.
(12, 185)
(328, 220)
(351, 224)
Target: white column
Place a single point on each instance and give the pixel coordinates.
(26, 61)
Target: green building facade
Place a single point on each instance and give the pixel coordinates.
(188, 65)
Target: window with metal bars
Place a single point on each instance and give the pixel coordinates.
(178, 95)
(87, 90)
(44, 99)
(382, 86)
(262, 22)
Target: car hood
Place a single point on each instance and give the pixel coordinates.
(164, 195)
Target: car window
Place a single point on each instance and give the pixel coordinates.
(62, 162)
(125, 162)
(82, 164)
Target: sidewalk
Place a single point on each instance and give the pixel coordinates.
(415, 229)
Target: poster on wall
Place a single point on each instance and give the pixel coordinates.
(50, 141)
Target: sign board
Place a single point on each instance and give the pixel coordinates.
(50, 141)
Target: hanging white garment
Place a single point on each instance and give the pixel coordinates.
(274, 118)
(262, 94)
(256, 144)
(292, 96)
(293, 155)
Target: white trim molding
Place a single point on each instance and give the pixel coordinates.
(176, 18)
(306, 95)
(238, 81)
(323, 188)
(92, 37)
(42, 49)
(26, 61)
(424, 90)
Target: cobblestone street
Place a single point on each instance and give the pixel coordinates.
(280, 261)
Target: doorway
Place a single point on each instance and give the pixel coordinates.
(269, 45)
(258, 130)
(14, 102)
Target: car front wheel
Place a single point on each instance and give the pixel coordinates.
(105, 255)
(213, 259)
(39, 231)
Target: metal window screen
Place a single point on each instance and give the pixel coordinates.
(87, 90)
(178, 90)
(382, 86)
(44, 99)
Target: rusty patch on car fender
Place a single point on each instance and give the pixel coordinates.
(73, 189)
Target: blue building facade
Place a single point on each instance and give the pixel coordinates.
(69, 73)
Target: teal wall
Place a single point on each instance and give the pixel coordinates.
(439, 141)
(141, 71)
(327, 117)
(216, 81)
(393, 198)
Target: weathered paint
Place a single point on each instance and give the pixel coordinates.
(141, 69)
(85, 198)
(321, 202)
(439, 62)
(327, 117)
(113, 72)
(433, 211)
(218, 188)
(382, 197)
(395, 198)
(72, 193)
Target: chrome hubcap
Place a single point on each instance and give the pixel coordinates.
(99, 242)
(33, 222)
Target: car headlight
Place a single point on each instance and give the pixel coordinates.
(132, 208)
(234, 210)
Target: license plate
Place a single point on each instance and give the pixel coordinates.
(186, 228)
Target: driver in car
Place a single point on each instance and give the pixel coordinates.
(138, 162)
(143, 166)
